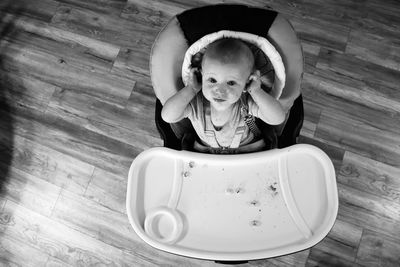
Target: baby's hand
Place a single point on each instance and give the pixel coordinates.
(254, 82)
(194, 82)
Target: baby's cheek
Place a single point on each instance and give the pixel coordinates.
(237, 93)
(206, 92)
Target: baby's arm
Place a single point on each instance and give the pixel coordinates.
(270, 110)
(177, 106)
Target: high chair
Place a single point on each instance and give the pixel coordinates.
(231, 208)
(187, 28)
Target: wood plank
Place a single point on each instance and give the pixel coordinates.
(42, 10)
(32, 192)
(340, 12)
(3, 201)
(295, 259)
(142, 98)
(310, 52)
(362, 82)
(376, 37)
(355, 127)
(74, 140)
(134, 128)
(182, 4)
(312, 114)
(48, 164)
(167, 8)
(135, 138)
(328, 91)
(61, 242)
(54, 262)
(264, 263)
(368, 211)
(319, 258)
(386, 119)
(53, 69)
(321, 33)
(108, 190)
(22, 91)
(51, 165)
(308, 129)
(134, 39)
(377, 249)
(101, 6)
(80, 44)
(111, 28)
(370, 176)
(96, 220)
(19, 254)
(76, 56)
(374, 48)
(133, 63)
(359, 137)
(156, 14)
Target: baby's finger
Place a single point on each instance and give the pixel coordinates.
(194, 70)
(195, 80)
(256, 74)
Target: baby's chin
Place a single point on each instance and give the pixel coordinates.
(221, 105)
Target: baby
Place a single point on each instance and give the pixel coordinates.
(214, 104)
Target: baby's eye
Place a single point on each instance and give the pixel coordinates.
(212, 80)
(231, 83)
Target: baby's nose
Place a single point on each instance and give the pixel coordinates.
(222, 90)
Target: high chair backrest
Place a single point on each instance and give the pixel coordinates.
(184, 29)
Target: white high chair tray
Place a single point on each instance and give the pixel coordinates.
(233, 207)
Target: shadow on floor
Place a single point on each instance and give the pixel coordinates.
(7, 30)
(9, 11)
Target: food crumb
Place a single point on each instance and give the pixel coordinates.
(229, 191)
(191, 164)
(239, 190)
(273, 188)
(186, 174)
(255, 223)
(254, 203)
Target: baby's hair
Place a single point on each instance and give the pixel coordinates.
(230, 50)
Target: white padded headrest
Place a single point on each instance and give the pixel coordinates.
(262, 43)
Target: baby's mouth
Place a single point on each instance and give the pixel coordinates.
(219, 100)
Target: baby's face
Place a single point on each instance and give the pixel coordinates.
(222, 83)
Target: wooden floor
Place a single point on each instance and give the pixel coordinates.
(77, 107)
